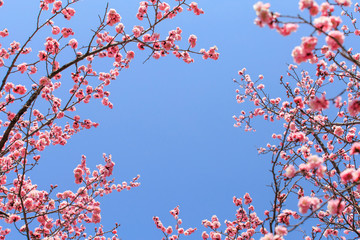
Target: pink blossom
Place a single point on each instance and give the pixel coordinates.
(68, 13)
(299, 102)
(113, 17)
(323, 23)
(169, 230)
(130, 55)
(347, 175)
(66, 32)
(22, 67)
(281, 230)
(204, 235)
(42, 55)
(354, 107)
(55, 30)
(137, 30)
(335, 39)
(305, 4)
(247, 198)
(192, 40)
(237, 201)
(13, 218)
(194, 7)
(19, 89)
(314, 161)
(319, 104)
(338, 131)
(356, 175)
(287, 29)
(290, 171)
(33, 70)
(73, 43)
(308, 44)
(57, 5)
(268, 236)
(314, 10)
(298, 55)
(156, 55)
(309, 4)
(96, 218)
(345, 3)
(304, 204)
(355, 148)
(336, 206)
(4, 33)
(44, 81)
(120, 28)
(263, 13)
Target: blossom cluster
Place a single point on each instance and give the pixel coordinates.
(41, 110)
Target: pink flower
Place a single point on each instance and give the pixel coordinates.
(263, 13)
(73, 43)
(130, 55)
(169, 230)
(33, 70)
(66, 32)
(323, 23)
(308, 43)
(44, 81)
(287, 29)
(345, 3)
(113, 17)
(22, 67)
(338, 131)
(290, 171)
(57, 5)
(355, 148)
(137, 30)
(298, 55)
(204, 235)
(237, 201)
(268, 236)
(318, 104)
(120, 28)
(314, 161)
(192, 40)
(4, 33)
(13, 218)
(195, 8)
(354, 107)
(305, 4)
(336, 206)
(347, 175)
(55, 30)
(247, 198)
(304, 204)
(42, 55)
(156, 55)
(19, 89)
(335, 39)
(281, 230)
(68, 13)
(96, 218)
(299, 102)
(314, 10)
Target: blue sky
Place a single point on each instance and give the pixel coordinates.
(172, 122)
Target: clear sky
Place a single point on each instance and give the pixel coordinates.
(172, 122)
